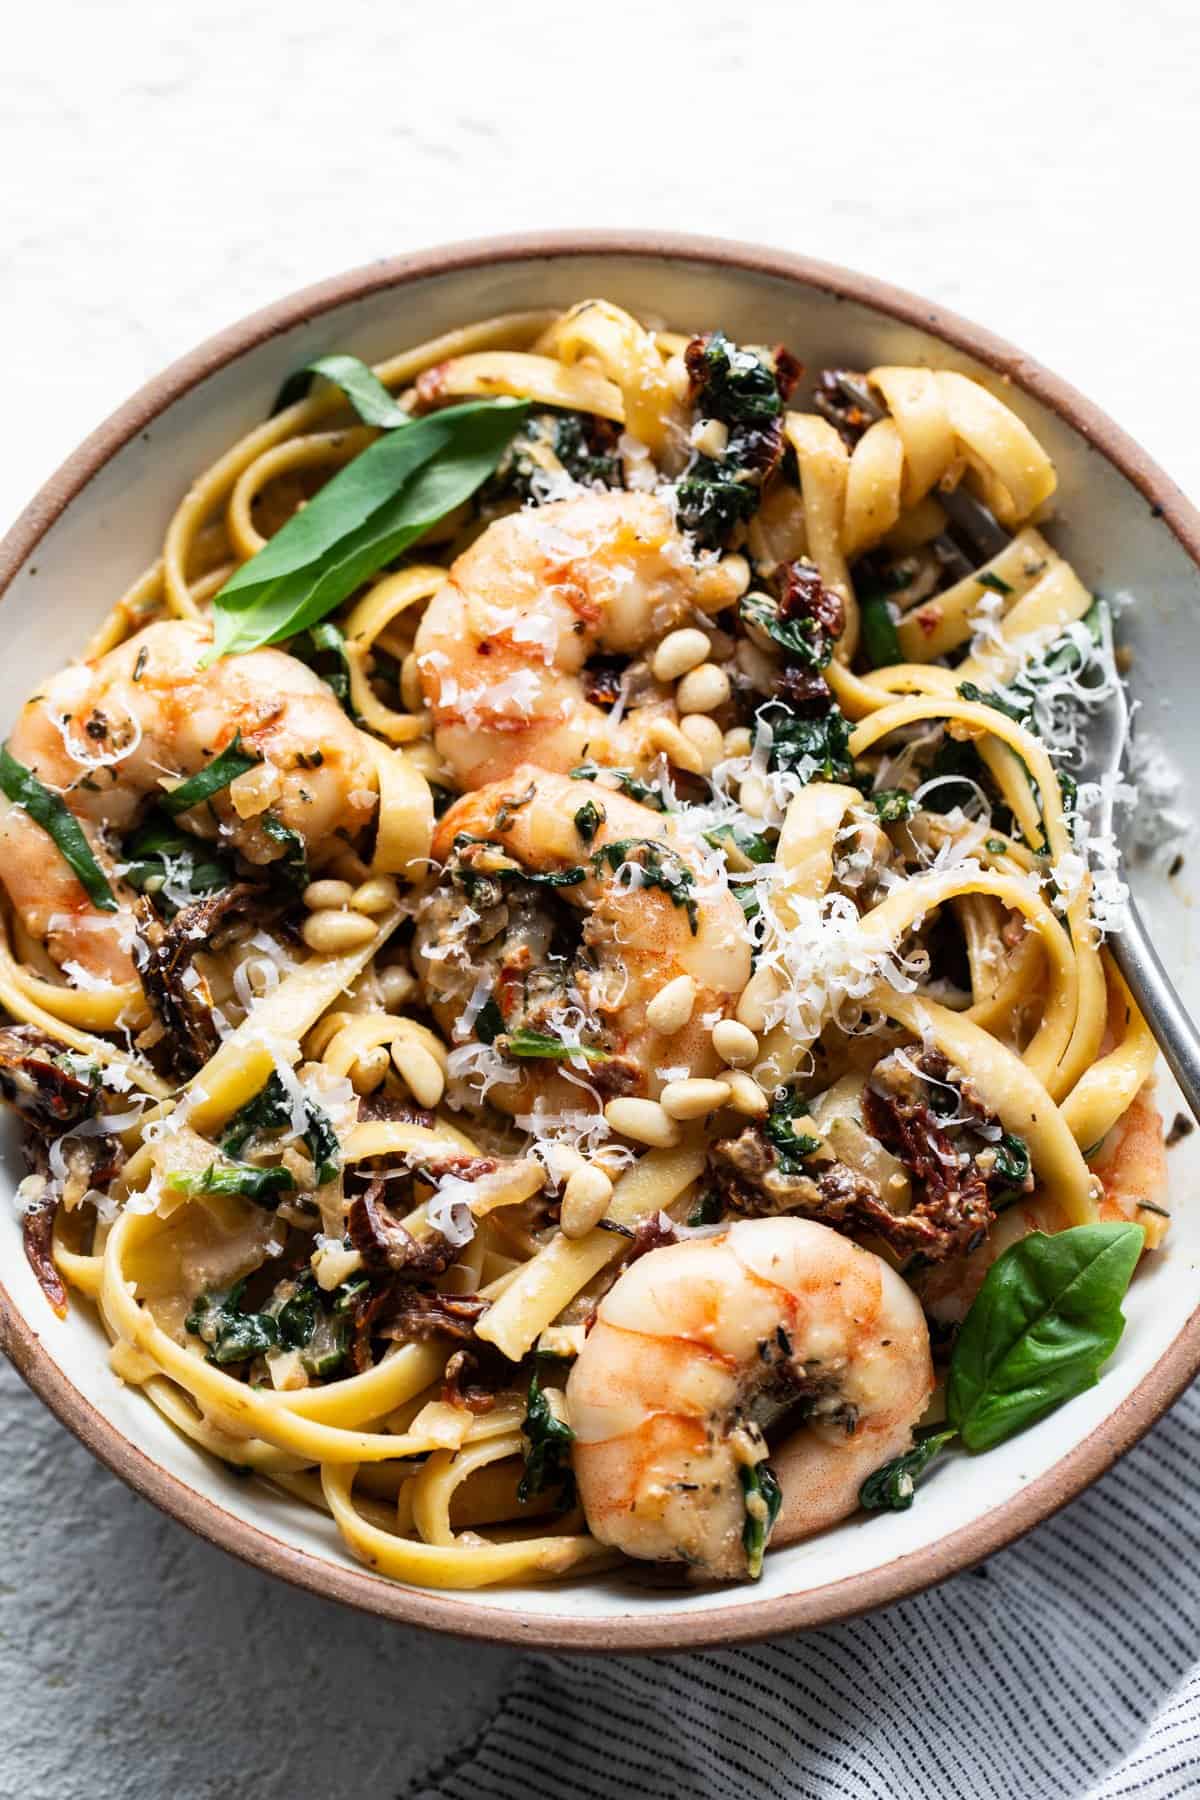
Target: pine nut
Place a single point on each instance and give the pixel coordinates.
(662, 734)
(738, 741)
(585, 1201)
(418, 1069)
(710, 437)
(671, 1007)
(707, 736)
(410, 683)
(745, 1095)
(368, 1070)
(320, 894)
(753, 797)
(693, 1099)
(644, 1121)
(738, 571)
(702, 690)
(757, 995)
(679, 651)
(734, 1043)
(333, 933)
(759, 669)
(397, 986)
(375, 896)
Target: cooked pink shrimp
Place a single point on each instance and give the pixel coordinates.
(649, 907)
(696, 1341)
(108, 734)
(502, 646)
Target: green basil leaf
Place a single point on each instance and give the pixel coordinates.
(489, 1022)
(762, 1498)
(893, 1486)
(293, 864)
(892, 804)
(364, 390)
(547, 1449)
(524, 1042)
(232, 762)
(1046, 1318)
(271, 1110)
(751, 844)
(265, 1186)
(370, 512)
(22, 787)
(880, 640)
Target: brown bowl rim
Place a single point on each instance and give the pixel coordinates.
(446, 1612)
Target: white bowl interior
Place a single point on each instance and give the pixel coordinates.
(114, 527)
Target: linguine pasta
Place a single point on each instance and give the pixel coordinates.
(645, 815)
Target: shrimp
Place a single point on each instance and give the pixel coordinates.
(566, 908)
(696, 1343)
(502, 647)
(109, 734)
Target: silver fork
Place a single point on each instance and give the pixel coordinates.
(1131, 948)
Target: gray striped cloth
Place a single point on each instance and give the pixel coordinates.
(1066, 1668)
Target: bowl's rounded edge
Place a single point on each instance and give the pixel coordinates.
(855, 1594)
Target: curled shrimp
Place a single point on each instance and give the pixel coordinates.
(108, 734)
(567, 908)
(502, 647)
(695, 1343)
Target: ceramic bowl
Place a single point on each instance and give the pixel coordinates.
(100, 520)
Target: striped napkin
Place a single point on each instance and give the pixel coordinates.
(1066, 1668)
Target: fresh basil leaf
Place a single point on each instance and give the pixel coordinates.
(813, 749)
(372, 510)
(322, 640)
(751, 844)
(364, 390)
(489, 1022)
(709, 1208)
(588, 820)
(547, 1449)
(880, 639)
(791, 1147)
(892, 804)
(987, 580)
(1046, 1318)
(762, 1498)
(800, 637)
(22, 787)
(160, 852)
(893, 1486)
(626, 782)
(232, 762)
(293, 864)
(524, 1042)
(271, 1110)
(658, 866)
(264, 1186)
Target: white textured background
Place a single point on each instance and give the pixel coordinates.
(165, 168)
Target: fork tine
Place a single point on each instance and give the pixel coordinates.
(975, 521)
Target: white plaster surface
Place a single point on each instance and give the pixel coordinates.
(164, 168)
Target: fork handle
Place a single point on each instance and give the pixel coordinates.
(1157, 999)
